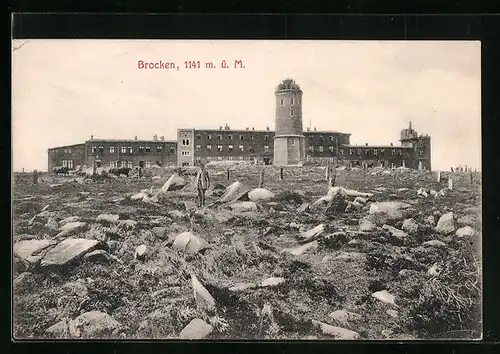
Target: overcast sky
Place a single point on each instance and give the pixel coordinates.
(66, 90)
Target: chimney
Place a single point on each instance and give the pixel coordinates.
(226, 127)
(155, 137)
(135, 137)
(267, 128)
(91, 137)
(253, 128)
(366, 144)
(220, 127)
(314, 128)
(162, 138)
(391, 144)
(246, 129)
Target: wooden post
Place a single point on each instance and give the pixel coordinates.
(327, 173)
(261, 178)
(439, 177)
(281, 173)
(35, 177)
(23, 169)
(450, 183)
(228, 175)
(471, 177)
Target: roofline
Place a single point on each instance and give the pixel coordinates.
(258, 131)
(65, 146)
(376, 147)
(130, 141)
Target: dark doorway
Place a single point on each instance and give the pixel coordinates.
(141, 164)
(267, 160)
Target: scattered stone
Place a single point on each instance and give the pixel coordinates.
(93, 324)
(29, 250)
(294, 225)
(403, 189)
(337, 332)
(76, 288)
(393, 210)
(68, 220)
(446, 224)
(395, 232)
(174, 183)
(430, 219)
(437, 213)
(176, 214)
(189, 242)
(435, 270)
(314, 232)
(384, 296)
(304, 208)
(259, 194)
(71, 227)
(434, 243)
(273, 281)
(67, 251)
(110, 218)
(243, 286)
(59, 330)
(24, 280)
(465, 231)
(98, 255)
(366, 225)
(201, 295)
(337, 204)
(297, 251)
(196, 329)
(410, 226)
(141, 252)
(243, 206)
(392, 313)
(339, 316)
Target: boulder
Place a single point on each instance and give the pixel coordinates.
(201, 295)
(67, 251)
(259, 194)
(339, 316)
(384, 296)
(196, 329)
(189, 242)
(174, 183)
(29, 250)
(366, 225)
(272, 281)
(241, 207)
(446, 224)
(52, 224)
(336, 332)
(305, 207)
(68, 220)
(395, 232)
(93, 324)
(314, 232)
(110, 218)
(297, 251)
(390, 210)
(410, 226)
(141, 252)
(465, 231)
(434, 243)
(70, 228)
(58, 330)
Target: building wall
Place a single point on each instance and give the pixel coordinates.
(58, 156)
(185, 147)
(117, 153)
(288, 112)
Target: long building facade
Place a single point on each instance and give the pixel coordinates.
(288, 145)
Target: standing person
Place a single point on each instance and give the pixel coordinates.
(202, 184)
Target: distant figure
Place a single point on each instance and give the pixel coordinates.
(202, 183)
(451, 169)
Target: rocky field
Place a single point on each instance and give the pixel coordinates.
(383, 255)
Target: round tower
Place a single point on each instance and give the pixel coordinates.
(289, 139)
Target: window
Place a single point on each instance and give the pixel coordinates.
(241, 147)
(320, 148)
(129, 164)
(332, 138)
(198, 136)
(94, 149)
(281, 102)
(219, 148)
(230, 158)
(266, 147)
(230, 148)
(311, 148)
(112, 164)
(241, 157)
(359, 152)
(118, 164)
(330, 148)
(209, 136)
(130, 151)
(209, 147)
(111, 149)
(250, 148)
(185, 153)
(241, 137)
(351, 152)
(209, 158)
(251, 137)
(291, 113)
(375, 152)
(68, 164)
(101, 149)
(292, 101)
(123, 149)
(219, 158)
(172, 149)
(220, 136)
(230, 137)
(159, 148)
(148, 164)
(141, 149)
(393, 151)
(266, 137)
(293, 142)
(147, 149)
(198, 148)
(185, 142)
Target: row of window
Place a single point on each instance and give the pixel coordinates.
(221, 137)
(375, 152)
(229, 148)
(129, 149)
(67, 163)
(127, 164)
(292, 101)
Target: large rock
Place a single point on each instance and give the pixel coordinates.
(232, 193)
(59, 330)
(465, 231)
(68, 250)
(70, 228)
(390, 210)
(93, 324)
(201, 295)
(446, 224)
(243, 207)
(366, 225)
(189, 242)
(68, 220)
(395, 232)
(258, 194)
(314, 232)
(110, 218)
(196, 329)
(297, 251)
(337, 332)
(337, 204)
(410, 226)
(29, 250)
(174, 183)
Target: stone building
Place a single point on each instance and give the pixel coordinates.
(289, 144)
(115, 153)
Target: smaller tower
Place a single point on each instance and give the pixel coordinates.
(421, 148)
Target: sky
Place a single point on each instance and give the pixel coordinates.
(64, 91)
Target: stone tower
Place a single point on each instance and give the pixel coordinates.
(421, 145)
(289, 139)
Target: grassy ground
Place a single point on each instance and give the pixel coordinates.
(154, 298)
